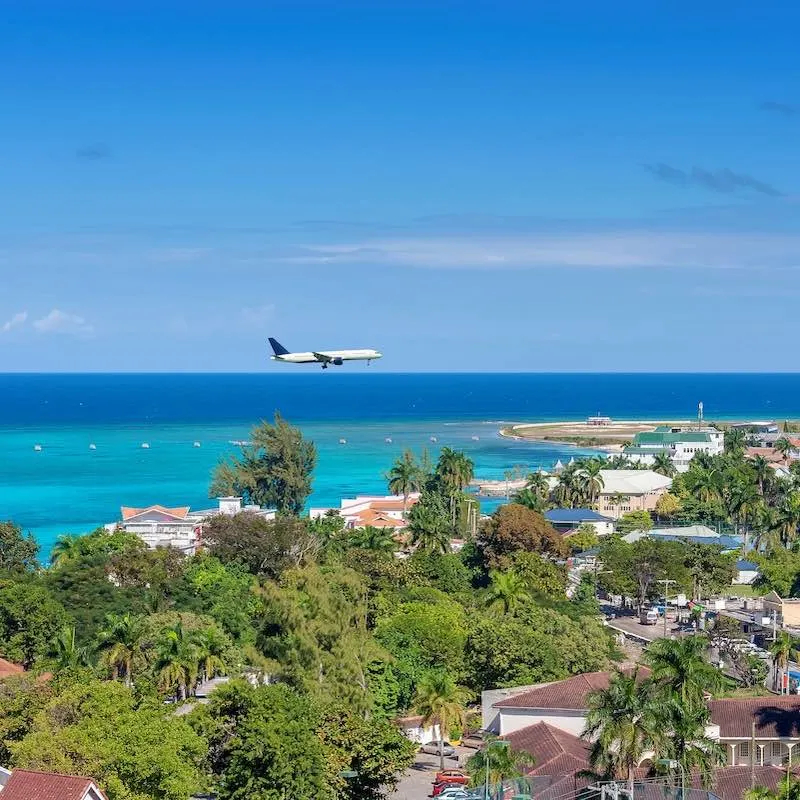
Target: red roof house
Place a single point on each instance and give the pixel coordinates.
(28, 785)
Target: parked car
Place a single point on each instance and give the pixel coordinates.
(433, 748)
(444, 789)
(451, 776)
(455, 793)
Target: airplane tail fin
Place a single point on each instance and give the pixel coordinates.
(277, 347)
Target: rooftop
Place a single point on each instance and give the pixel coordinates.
(633, 481)
(575, 515)
(8, 668)
(174, 513)
(666, 437)
(556, 751)
(27, 785)
(775, 717)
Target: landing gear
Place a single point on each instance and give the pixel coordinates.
(324, 365)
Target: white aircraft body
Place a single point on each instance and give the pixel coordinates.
(324, 357)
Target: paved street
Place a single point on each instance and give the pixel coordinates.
(417, 782)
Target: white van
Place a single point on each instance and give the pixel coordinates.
(648, 616)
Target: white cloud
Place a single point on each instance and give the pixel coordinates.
(256, 317)
(619, 249)
(60, 322)
(18, 319)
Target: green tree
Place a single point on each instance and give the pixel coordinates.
(67, 653)
(30, 619)
(22, 697)
(590, 479)
(263, 547)
(454, 470)
(634, 521)
(710, 569)
(667, 505)
(133, 751)
(781, 651)
(513, 528)
(430, 524)
(405, 476)
(119, 642)
(177, 661)
(274, 471)
(735, 441)
(379, 540)
(623, 724)
(784, 447)
(779, 571)
(442, 703)
(662, 464)
(507, 591)
(542, 576)
(17, 550)
(788, 789)
(66, 548)
(584, 538)
(500, 763)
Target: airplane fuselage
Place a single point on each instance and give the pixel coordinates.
(324, 357)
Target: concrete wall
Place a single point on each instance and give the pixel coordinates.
(514, 719)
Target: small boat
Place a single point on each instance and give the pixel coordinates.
(342, 441)
(476, 438)
(93, 446)
(388, 440)
(434, 439)
(196, 444)
(145, 446)
(37, 448)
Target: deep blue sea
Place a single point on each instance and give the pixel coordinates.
(68, 487)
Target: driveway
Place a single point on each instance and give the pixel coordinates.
(416, 782)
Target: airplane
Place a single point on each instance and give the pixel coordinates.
(324, 357)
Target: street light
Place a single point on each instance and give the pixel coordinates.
(671, 763)
(501, 743)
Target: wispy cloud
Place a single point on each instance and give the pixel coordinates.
(60, 322)
(20, 318)
(612, 249)
(256, 318)
(93, 152)
(721, 180)
(785, 109)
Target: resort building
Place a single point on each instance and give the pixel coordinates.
(181, 528)
(627, 490)
(679, 444)
(567, 520)
(370, 511)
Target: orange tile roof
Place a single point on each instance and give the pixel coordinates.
(376, 519)
(28, 785)
(7, 668)
(180, 513)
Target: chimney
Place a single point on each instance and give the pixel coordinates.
(230, 505)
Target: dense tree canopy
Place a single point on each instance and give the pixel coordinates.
(513, 528)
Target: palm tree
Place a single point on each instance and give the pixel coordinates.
(763, 472)
(538, 483)
(781, 650)
(506, 590)
(66, 651)
(789, 789)
(530, 499)
(784, 447)
(454, 470)
(680, 667)
(687, 742)
(618, 499)
(735, 440)
(492, 764)
(177, 662)
(568, 489)
(662, 464)
(789, 518)
(704, 483)
(379, 540)
(119, 641)
(591, 481)
(405, 477)
(624, 722)
(441, 702)
(66, 548)
(430, 528)
(211, 652)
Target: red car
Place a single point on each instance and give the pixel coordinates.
(451, 776)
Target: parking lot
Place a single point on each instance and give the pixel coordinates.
(417, 782)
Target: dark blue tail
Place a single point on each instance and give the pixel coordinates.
(277, 347)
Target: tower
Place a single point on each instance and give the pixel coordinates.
(700, 414)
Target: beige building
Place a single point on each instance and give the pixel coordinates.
(786, 610)
(626, 490)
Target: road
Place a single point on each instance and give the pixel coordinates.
(416, 782)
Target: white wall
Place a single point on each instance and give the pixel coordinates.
(514, 719)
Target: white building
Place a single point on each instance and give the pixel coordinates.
(679, 443)
(181, 528)
(373, 511)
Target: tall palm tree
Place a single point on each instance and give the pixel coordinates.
(763, 472)
(781, 650)
(590, 479)
(454, 470)
(788, 789)
(66, 651)
(379, 540)
(686, 741)
(624, 722)
(118, 642)
(441, 702)
(177, 662)
(679, 665)
(735, 440)
(789, 518)
(405, 476)
(530, 499)
(538, 483)
(568, 491)
(211, 648)
(662, 464)
(507, 590)
(499, 763)
(618, 499)
(430, 528)
(66, 548)
(704, 483)
(784, 447)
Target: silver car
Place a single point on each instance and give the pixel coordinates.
(433, 748)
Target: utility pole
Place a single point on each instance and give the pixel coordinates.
(753, 754)
(666, 582)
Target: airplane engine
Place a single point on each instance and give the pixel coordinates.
(338, 362)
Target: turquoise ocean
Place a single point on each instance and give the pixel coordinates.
(68, 487)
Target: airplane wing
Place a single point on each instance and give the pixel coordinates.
(322, 357)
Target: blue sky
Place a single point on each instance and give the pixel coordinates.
(465, 186)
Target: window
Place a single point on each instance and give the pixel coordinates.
(744, 750)
(777, 749)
